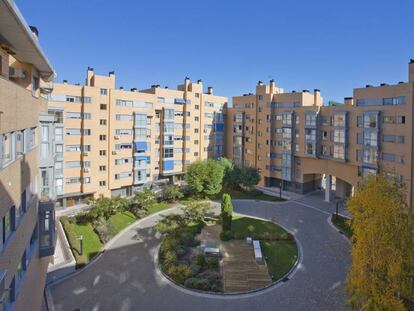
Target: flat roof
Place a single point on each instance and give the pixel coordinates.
(17, 37)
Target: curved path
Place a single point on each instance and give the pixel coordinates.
(125, 277)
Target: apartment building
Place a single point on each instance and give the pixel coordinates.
(116, 141)
(27, 236)
(300, 144)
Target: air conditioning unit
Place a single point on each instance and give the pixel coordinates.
(117, 137)
(114, 152)
(86, 170)
(16, 73)
(85, 154)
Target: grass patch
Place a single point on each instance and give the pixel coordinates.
(91, 242)
(246, 195)
(157, 207)
(343, 224)
(258, 229)
(280, 257)
(120, 221)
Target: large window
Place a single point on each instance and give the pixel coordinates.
(310, 119)
(339, 152)
(370, 156)
(168, 153)
(310, 134)
(339, 119)
(339, 136)
(371, 139)
(370, 120)
(44, 141)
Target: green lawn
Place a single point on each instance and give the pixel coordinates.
(278, 246)
(249, 195)
(91, 242)
(280, 257)
(157, 207)
(343, 224)
(243, 227)
(120, 221)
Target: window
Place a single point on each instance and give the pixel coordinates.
(370, 120)
(141, 133)
(123, 117)
(196, 107)
(102, 153)
(44, 141)
(310, 119)
(123, 132)
(103, 106)
(370, 139)
(123, 175)
(59, 134)
(78, 115)
(102, 168)
(324, 135)
(168, 153)
(310, 134)
(310, 148)
(104, 91)
(339, 119)
(102, 137)
(196, 142)
(78, 131)
(339, 136)
(102, 122)
(102, 183)
(123, 146)
(6, 148)
(339, 152)
(370, 156)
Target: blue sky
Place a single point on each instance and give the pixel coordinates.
(331, 45)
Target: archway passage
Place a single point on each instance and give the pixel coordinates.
(336, 188)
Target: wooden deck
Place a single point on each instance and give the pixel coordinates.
(241, 272)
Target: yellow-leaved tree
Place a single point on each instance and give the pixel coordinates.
(381, 276)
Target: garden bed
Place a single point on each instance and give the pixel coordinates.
(94, 237)
(181, 260)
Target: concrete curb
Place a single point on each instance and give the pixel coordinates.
(237, 295)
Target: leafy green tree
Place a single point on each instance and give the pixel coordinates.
(229, 180)
(171, 193)
(226, 212)
(248, 176)
(102, 207)
(121, 204)
(142, 201)
(195, 211)
(381, 276)
(204, 178)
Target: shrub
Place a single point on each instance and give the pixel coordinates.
(195, 269)
(179, 273)
(201, 260)
(213, 263)
(73, 240)
(83, 218)
(197, 283)
(171, 193)
(226, 212)
(103, 228)
(226, 235)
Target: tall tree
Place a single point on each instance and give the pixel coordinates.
(249, 176)
(226, 212)
(382, 273)
(205, 177)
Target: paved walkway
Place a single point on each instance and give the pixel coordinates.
(125, 277)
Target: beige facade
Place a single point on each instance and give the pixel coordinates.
(297, 142)
(116, 140)
(26, 209)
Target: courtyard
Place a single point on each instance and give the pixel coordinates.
(126, 276)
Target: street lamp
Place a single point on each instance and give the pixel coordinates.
(80, 238)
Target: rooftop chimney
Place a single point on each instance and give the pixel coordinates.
(199, 81)
(121, 87)
(65, 81)
(210, 90)
(111, 73)
(134, 89)
(305, 91)
(260, 83)
(35, 31)
(411, 71)
(368, 85)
